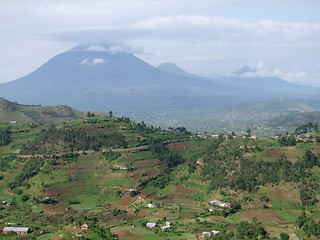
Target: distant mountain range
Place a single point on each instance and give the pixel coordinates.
(96, 78)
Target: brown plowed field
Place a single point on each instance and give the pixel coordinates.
(286, 193)
(279, 230)
(264, 216)
(186, 190)
(125, 200)
(124, 234)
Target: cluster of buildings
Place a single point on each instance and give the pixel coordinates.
(209, 234)
(164, 227)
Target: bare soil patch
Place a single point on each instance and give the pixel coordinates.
(103, 189)
(142, 213)
(286, 193)
(185, 190)
(124, 234)
(56, 193)
(279, 230)
(274, 153)
(131, 157)
(50, 209)
(117, 175)
(316, 151)
(180, 147)
(144, 193)
(186, 215)
(76, 183)
(6, 191)
(291, 150)
(150, 162)
(125, 200)
(264, 216)
(154, 197)
(75, 170)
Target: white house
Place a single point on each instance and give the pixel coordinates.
(151, 225)
(214, 232)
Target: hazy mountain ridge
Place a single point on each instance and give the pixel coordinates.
(100, 79)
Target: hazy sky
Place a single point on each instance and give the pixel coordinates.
(206, 37)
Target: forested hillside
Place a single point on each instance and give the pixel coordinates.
(112, 178)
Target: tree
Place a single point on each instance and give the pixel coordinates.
(248, 133)
(284, 236)
(291, 140)
(110, 114)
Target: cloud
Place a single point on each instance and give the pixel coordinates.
(97, 61)
(262, 71)
(96, 48)
(117, 47)
(92, 61)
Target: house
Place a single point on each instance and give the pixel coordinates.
(151, 225)
(206, 234)
(13, 122)
(214, 232)
(84, 227)
(151, 205)
(165, 228)
(199, 163)
(209, 234)
(214, 202)
(17, 230)
(225, 205)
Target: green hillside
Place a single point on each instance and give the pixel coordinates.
(116, 175)
(10, 111)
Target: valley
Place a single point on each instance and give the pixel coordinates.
(107, 177)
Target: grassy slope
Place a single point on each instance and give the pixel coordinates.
(100, 188)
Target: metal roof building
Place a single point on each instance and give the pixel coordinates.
(18, 230)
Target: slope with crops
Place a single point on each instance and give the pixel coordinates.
(111, 178)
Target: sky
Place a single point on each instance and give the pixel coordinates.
(207, 37)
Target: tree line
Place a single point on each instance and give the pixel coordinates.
(75, 140)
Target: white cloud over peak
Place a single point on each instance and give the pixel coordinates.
(92, 61)
(97, 60)
(96, 48)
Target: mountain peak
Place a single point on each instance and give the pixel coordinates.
(244, 70)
